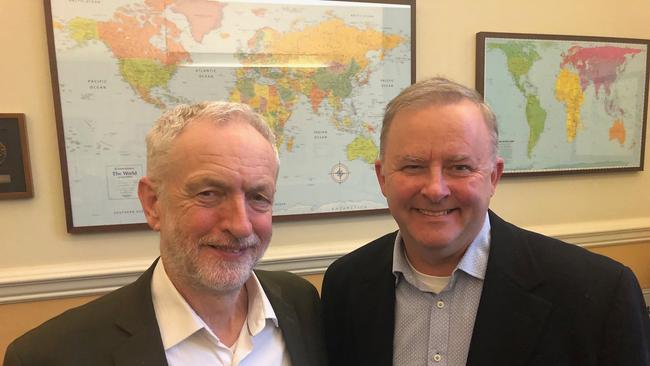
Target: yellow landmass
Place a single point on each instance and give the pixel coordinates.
(569, 92)
(269, 95)
(363, 148)
(82, 29)
(235, 96)
(314, 46)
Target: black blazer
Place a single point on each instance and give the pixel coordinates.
(121, 328)
(544, 302)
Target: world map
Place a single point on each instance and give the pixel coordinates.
(320, 73)
(567, 105)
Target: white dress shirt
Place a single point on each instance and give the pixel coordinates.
(188, 340)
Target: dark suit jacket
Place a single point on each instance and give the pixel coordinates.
(121, 328)
(544, 302)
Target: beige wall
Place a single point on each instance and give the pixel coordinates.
(33, 238)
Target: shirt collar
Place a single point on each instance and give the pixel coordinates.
(178, 321)
(473, 262)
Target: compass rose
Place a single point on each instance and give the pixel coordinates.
(339, 173)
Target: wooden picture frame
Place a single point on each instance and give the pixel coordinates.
(566, 104)
(15, 170)
(138, 61)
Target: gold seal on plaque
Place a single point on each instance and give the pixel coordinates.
(3, 153)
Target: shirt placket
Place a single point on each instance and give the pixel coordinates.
(439, 331)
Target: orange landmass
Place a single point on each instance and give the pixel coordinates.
(617, 132)
(290, 143)
(129, 38)
(316, 97)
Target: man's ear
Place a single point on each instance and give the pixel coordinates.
(380, 176)
(150, 202)
(497, 171)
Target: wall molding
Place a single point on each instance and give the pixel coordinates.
(60, 281)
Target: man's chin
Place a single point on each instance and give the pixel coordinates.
(441, 241)
(225, 279)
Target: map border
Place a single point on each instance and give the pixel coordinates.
(72, 228)
(483, 37)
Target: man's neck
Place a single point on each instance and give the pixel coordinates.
(223, 312)
(432, 265)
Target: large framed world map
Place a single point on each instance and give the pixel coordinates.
(566, 104)
(319, 72)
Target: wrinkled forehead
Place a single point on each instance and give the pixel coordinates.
(428, 109)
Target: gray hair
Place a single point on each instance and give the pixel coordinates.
(436, 91)
(172, 123)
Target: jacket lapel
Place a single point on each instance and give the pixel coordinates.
(375, 315)
(288, 321)
(510, 316)
(137, 319)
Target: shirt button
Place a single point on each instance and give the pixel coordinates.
(440, 304)
(437, 357)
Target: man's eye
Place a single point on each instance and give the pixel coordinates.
(411, 168)
(261, 202)
(461, 169)
(208, 196)
(261, 198)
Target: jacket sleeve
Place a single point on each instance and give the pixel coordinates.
(11, 356)
(626, 338)
(335, 335)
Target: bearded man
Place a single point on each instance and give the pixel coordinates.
(211, 175)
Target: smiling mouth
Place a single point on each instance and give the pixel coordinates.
(434, 213)
(228, 249)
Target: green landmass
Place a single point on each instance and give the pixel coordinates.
(146, 74)
(520, 57)
(536, 117)
(246, 87)
(285, 93)
(339, 83)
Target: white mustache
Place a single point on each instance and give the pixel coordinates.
(250, 241)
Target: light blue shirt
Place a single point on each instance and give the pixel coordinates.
(436, 329)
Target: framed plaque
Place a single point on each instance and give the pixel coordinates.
(15, 171)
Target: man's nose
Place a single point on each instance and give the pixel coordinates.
(236, 219)
(435, 186)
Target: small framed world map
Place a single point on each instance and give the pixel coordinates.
(319, 72)
(565, 104)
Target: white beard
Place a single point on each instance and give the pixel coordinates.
(182, 258)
